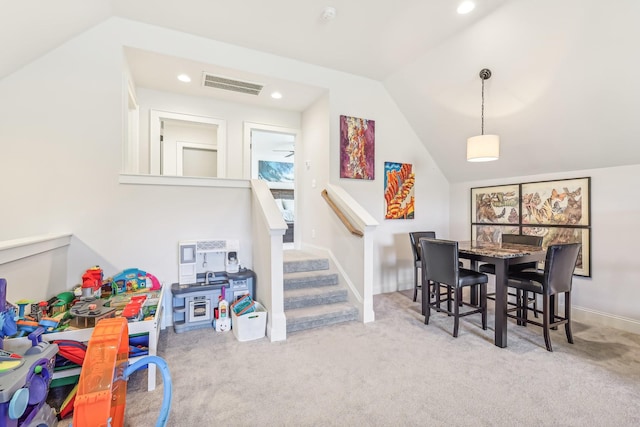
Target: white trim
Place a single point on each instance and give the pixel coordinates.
(246, 138)
(13, 250)
(184, 181)
(155, 119)
(180, 146)
(351, 208)
(131, 162)
(247, 166)
(598, 318)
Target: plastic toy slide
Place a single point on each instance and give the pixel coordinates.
(102, 389)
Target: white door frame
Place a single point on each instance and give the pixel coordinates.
(180, 146)
(248, 127)
(155, 123)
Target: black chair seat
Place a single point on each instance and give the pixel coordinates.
(470, 277)
(487, 269)
(528, 280)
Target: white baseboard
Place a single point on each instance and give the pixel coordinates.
(597, 318)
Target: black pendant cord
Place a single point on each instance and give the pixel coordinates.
(485, 74)
(482, 113)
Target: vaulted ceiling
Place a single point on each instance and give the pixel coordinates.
(563, 95)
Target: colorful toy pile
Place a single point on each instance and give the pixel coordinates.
(94, 299)
(24, 378)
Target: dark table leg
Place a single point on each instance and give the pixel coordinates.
(501, 303)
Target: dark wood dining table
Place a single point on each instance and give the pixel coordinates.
(502, 255)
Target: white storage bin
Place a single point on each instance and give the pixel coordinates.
(249, 326)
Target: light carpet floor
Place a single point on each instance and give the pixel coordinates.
(396, 371)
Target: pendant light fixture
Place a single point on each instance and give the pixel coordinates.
(483, 148)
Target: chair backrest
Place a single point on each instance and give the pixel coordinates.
(440, 261)
(522, 239)
(415, 237)
(559, 266)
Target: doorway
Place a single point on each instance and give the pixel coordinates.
(186, 145)
(273, 154)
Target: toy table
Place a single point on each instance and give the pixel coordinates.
(151, 327)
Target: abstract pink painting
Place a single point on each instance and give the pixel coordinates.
(357, 157)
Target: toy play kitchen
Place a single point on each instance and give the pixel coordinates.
(208, 271)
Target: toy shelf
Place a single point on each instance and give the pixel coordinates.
(150, 327)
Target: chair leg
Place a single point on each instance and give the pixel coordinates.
(553, 305)
(567, 315)
(415, 284)
(426, 302)
(456, 312)
(422, 296)
(519, 307)
(546, 313)
(535, 305)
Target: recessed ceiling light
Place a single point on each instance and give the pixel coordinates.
(276, 95)
(466, 7)
(184, 78)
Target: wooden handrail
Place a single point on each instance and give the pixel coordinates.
(342, 216)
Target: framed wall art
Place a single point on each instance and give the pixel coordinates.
(492, 233)
(398, 190)
(275, 171)
(564, 202)
(559, 235)
(357, 148)
(495, 205)
(557, 210)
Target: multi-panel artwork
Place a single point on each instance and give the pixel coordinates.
(559, 211)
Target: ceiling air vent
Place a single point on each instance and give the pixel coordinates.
(225, 83)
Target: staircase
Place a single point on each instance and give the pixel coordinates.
(313, 296)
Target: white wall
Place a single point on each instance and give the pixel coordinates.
(395, 141)
(61, 133)
(610, 296)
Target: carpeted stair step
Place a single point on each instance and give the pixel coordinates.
(320, 315)
(308, 279)
(306, 297)
(297, 261)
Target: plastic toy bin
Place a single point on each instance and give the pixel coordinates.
(249, 326)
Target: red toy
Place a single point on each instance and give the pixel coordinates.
(92, 281)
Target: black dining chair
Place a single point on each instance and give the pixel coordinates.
(440, 264)
(557, 277)
(415, 237)
(519, 239)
